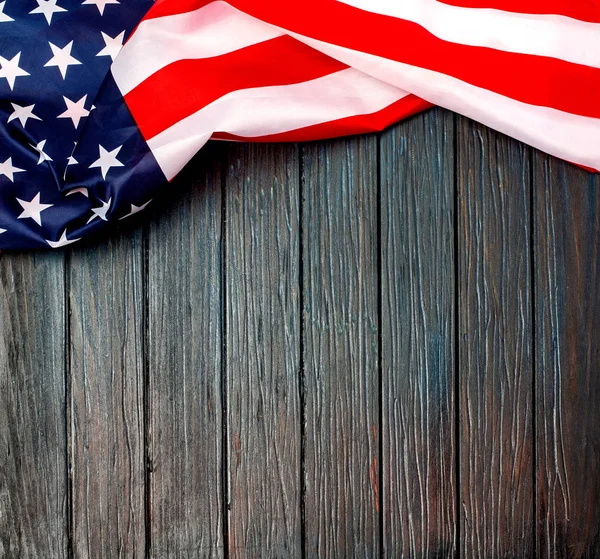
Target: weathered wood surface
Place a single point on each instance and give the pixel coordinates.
(418, 317)
(366, 347)
(567, 341)
(495, 388)
(341, 361)
(106, 404)
(34, 496)
(184, 399)
(262, 243)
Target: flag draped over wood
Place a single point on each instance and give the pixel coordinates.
(102, 102)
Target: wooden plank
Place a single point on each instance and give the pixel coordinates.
(263, 351)
(341, 378)
(33, 468)
(184, 356)
(107, 397)
(418, 376)
(495, 336)
(567, 318)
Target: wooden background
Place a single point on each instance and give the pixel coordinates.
(385, 345)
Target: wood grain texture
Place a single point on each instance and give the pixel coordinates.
(107, 398)
(341, 380)
(567, 270)
(213, 381)
(418, 376)
(184, 360)
(495, 354)
(33, 469)
(263, 351)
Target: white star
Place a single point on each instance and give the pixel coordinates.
(101, 211)
(107, 160)
(40, 149)
(72, 160)
(33, 209)
(2, 231)
(8, 170)
(113, 46)
(135, 209)
(75, 111)
(3, 16)
(62, 241)
(62, 58)
(10, 70)
(80, 190)
(23, 114)
(100, 4)
(48, 8)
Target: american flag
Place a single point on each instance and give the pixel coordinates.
(103, 102)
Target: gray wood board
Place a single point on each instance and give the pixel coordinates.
(262, 191)
(496, 441)
(184, 368)
(33, 452)
(341, 377)
(567, 293)
(418, 305)
(106, 408)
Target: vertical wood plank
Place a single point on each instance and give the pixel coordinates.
(33, 469)
(567, 309)
(495, 334)
(418, 377)
(341, 379)
(263, 351)
(184, 360)
(107, 384)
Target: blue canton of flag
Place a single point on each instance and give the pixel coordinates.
(68, 144)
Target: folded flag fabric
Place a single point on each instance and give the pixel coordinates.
(103, 102)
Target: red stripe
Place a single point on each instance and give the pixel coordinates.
(163, 8)
(358, 124)
(584, 10)
(590, 169)
(536, 80)
(184, 87)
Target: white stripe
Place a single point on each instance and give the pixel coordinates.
(210, 31)
(565, 135)
(544, 35)
(271, 110)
